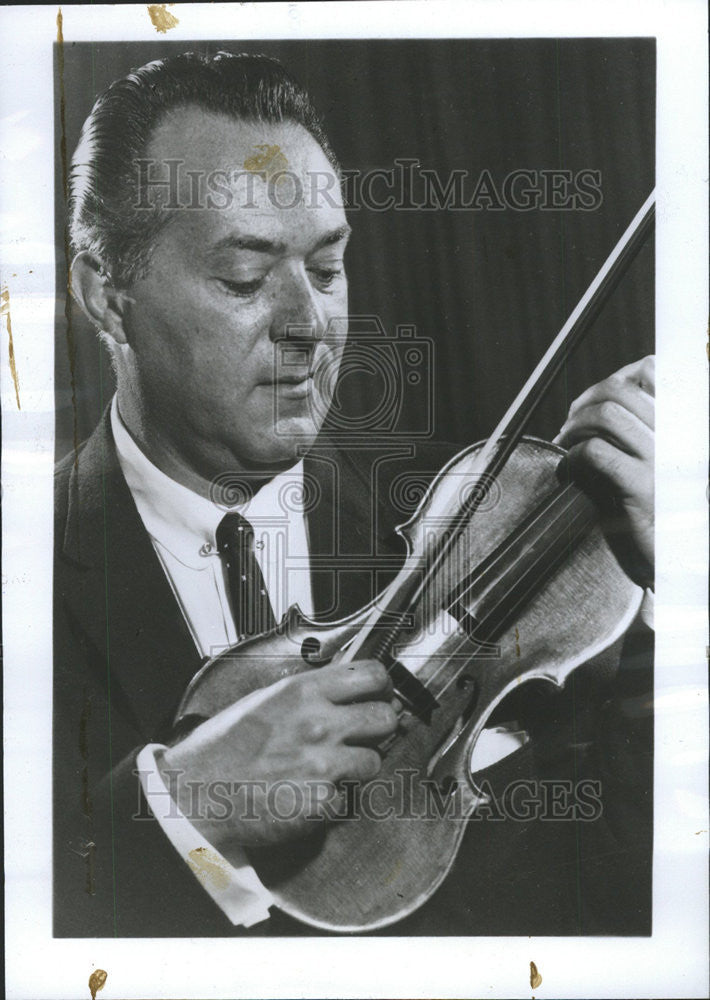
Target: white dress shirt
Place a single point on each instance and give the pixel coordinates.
(183, 525)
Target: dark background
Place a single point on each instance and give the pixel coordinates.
(489, 288)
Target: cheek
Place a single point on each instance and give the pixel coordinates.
(227, 331)
(338, 309)
(196, 334)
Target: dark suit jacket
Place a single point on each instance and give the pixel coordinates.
(123, 657)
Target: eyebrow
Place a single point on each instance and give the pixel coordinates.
(260, 245)
(341, 233)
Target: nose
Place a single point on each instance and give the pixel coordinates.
(299, 314)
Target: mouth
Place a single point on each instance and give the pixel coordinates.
(304, 375)
(293, 386)
(293, 378)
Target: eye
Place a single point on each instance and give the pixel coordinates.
(241, 289)
(324, 277)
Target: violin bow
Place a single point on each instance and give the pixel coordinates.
(507, 434)
(495, 452)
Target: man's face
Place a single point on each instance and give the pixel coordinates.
(214, 379)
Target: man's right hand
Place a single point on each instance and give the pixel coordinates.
(265, 769)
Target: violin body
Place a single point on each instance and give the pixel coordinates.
(480, 631)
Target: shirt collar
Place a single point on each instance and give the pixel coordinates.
(181, 520)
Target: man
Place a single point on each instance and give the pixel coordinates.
(222, 296)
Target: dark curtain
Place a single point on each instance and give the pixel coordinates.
(487, 288)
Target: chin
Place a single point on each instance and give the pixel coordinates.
(288, 442)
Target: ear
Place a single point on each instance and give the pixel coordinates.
(94, 290)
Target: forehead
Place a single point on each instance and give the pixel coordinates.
(229, 171)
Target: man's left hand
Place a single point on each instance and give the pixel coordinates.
(609, 433)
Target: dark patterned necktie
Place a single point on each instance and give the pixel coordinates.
(251, 608)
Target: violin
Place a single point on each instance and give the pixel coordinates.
(480, 606)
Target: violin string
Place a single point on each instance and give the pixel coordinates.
(523, 597)
(580, 519)
(571, 496)
(567, 494)
(457, 673)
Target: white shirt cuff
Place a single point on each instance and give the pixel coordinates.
(233, 885)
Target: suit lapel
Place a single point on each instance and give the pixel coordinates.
(363, 493)
(354, 549)
(120, 595)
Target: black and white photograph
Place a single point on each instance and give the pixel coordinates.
(357, 510)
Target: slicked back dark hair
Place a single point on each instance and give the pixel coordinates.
(104, 174)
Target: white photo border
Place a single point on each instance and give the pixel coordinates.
(671, 963)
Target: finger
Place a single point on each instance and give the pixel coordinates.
(361, 724)
(345, 762)
(360, 763)
(623, 487)
(613, 422)
(360, 680)
(626, 394)
(641, 373)
(638, 378)
(631, 477)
